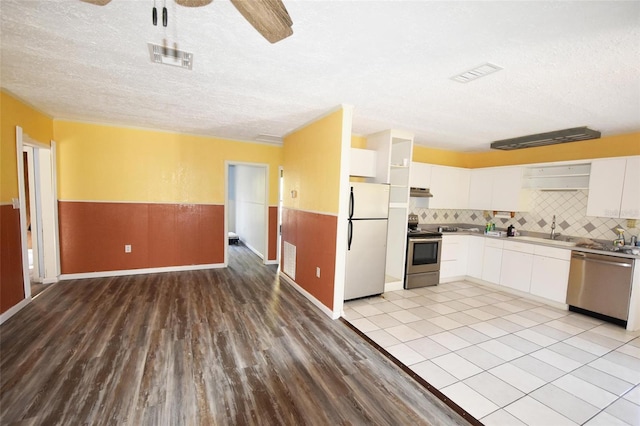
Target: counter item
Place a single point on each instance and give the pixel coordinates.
(366, 240)
(600, 286)
(511, 231)
(634, 240)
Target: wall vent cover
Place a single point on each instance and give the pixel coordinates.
(550, 138)
(168, 56)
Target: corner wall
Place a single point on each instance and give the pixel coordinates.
(311, 201)
(160, 192)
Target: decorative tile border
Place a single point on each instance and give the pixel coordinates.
(569, 207)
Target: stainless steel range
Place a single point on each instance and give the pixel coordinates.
(423, 256)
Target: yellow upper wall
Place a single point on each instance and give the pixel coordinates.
(610, 146)
(312, 165)
(105, 163)
(35, 124)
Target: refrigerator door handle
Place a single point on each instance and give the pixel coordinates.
(350, 233)
(351, 204)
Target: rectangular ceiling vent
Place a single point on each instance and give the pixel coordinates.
(549, 138)
(268, 138)
(168, 56)
(476, 73)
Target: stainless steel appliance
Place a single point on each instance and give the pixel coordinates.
(600, 285)
(423, 256)
(367, 240)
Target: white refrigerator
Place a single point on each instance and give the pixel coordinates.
(366, 239)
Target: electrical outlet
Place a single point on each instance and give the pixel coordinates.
(318, 272)
(127, 248)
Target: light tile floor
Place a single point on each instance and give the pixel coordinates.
(508, 360)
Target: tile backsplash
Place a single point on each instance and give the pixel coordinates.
(570, 208)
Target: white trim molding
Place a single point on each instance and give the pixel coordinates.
(14, 309)
(120, 273)
(328, 312)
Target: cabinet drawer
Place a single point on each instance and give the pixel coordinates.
(553, 252)
(519, 247)
(493, 242)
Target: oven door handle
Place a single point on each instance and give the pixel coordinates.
(424, 240)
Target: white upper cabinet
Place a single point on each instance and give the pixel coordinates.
(614, 191)
(420, 175)
(481, 189)
(498, 188)
(630, 205)
(363, 162)
(450, 188)
(508, 194)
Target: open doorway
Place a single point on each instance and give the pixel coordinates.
(38, 214)
(247, 208)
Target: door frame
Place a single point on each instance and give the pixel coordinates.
(49, 232)
(265, 167)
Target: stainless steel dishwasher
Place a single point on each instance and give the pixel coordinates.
(600, 284)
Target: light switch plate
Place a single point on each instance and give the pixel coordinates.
(16, 203)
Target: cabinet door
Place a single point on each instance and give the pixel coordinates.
(480, 189)
(420, 176)
(450, 188)
(605, 187)
(362, 163)
(630, 206)
(550, 278)
(507, 189)
(476, 257)
(516, 270)
(492, 262)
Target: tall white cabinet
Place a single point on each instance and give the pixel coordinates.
(394, 149)
(614, 188)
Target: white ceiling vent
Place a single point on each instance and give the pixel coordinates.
(476, 73)
(268, 138)
(168, 56)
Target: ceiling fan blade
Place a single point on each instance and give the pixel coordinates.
(193, 3)
(97, 2)
(269, 17)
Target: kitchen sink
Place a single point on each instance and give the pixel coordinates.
(546, 240)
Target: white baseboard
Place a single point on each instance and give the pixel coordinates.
(250, 247)
(312, 299)
(103, 274)
(14, 310)
(271, 262)
(50, 280)
(394, 286)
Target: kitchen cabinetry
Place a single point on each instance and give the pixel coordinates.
(394, 149)
(614, 188)
(481, 189)
(550, 275)
(492, 260)
(363, 163)
(517, 263)
(453, 261)
(498, 188)
(475, 257)
(450, 188)
(630, 204)
(557, 177)
(420, 176)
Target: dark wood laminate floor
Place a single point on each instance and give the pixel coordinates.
(228, 346)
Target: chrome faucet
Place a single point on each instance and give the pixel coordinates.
(553, 228)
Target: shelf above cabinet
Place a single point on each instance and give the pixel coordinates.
(558, 178)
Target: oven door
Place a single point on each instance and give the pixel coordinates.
(423, 255)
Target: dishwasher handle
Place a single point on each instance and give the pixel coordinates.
(586, 258)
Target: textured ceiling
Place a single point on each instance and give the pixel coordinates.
(565, 64)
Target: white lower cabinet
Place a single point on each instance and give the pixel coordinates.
(492, 260)
(516, 269)
(454, 256)
(550, 275)
(476, 257)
